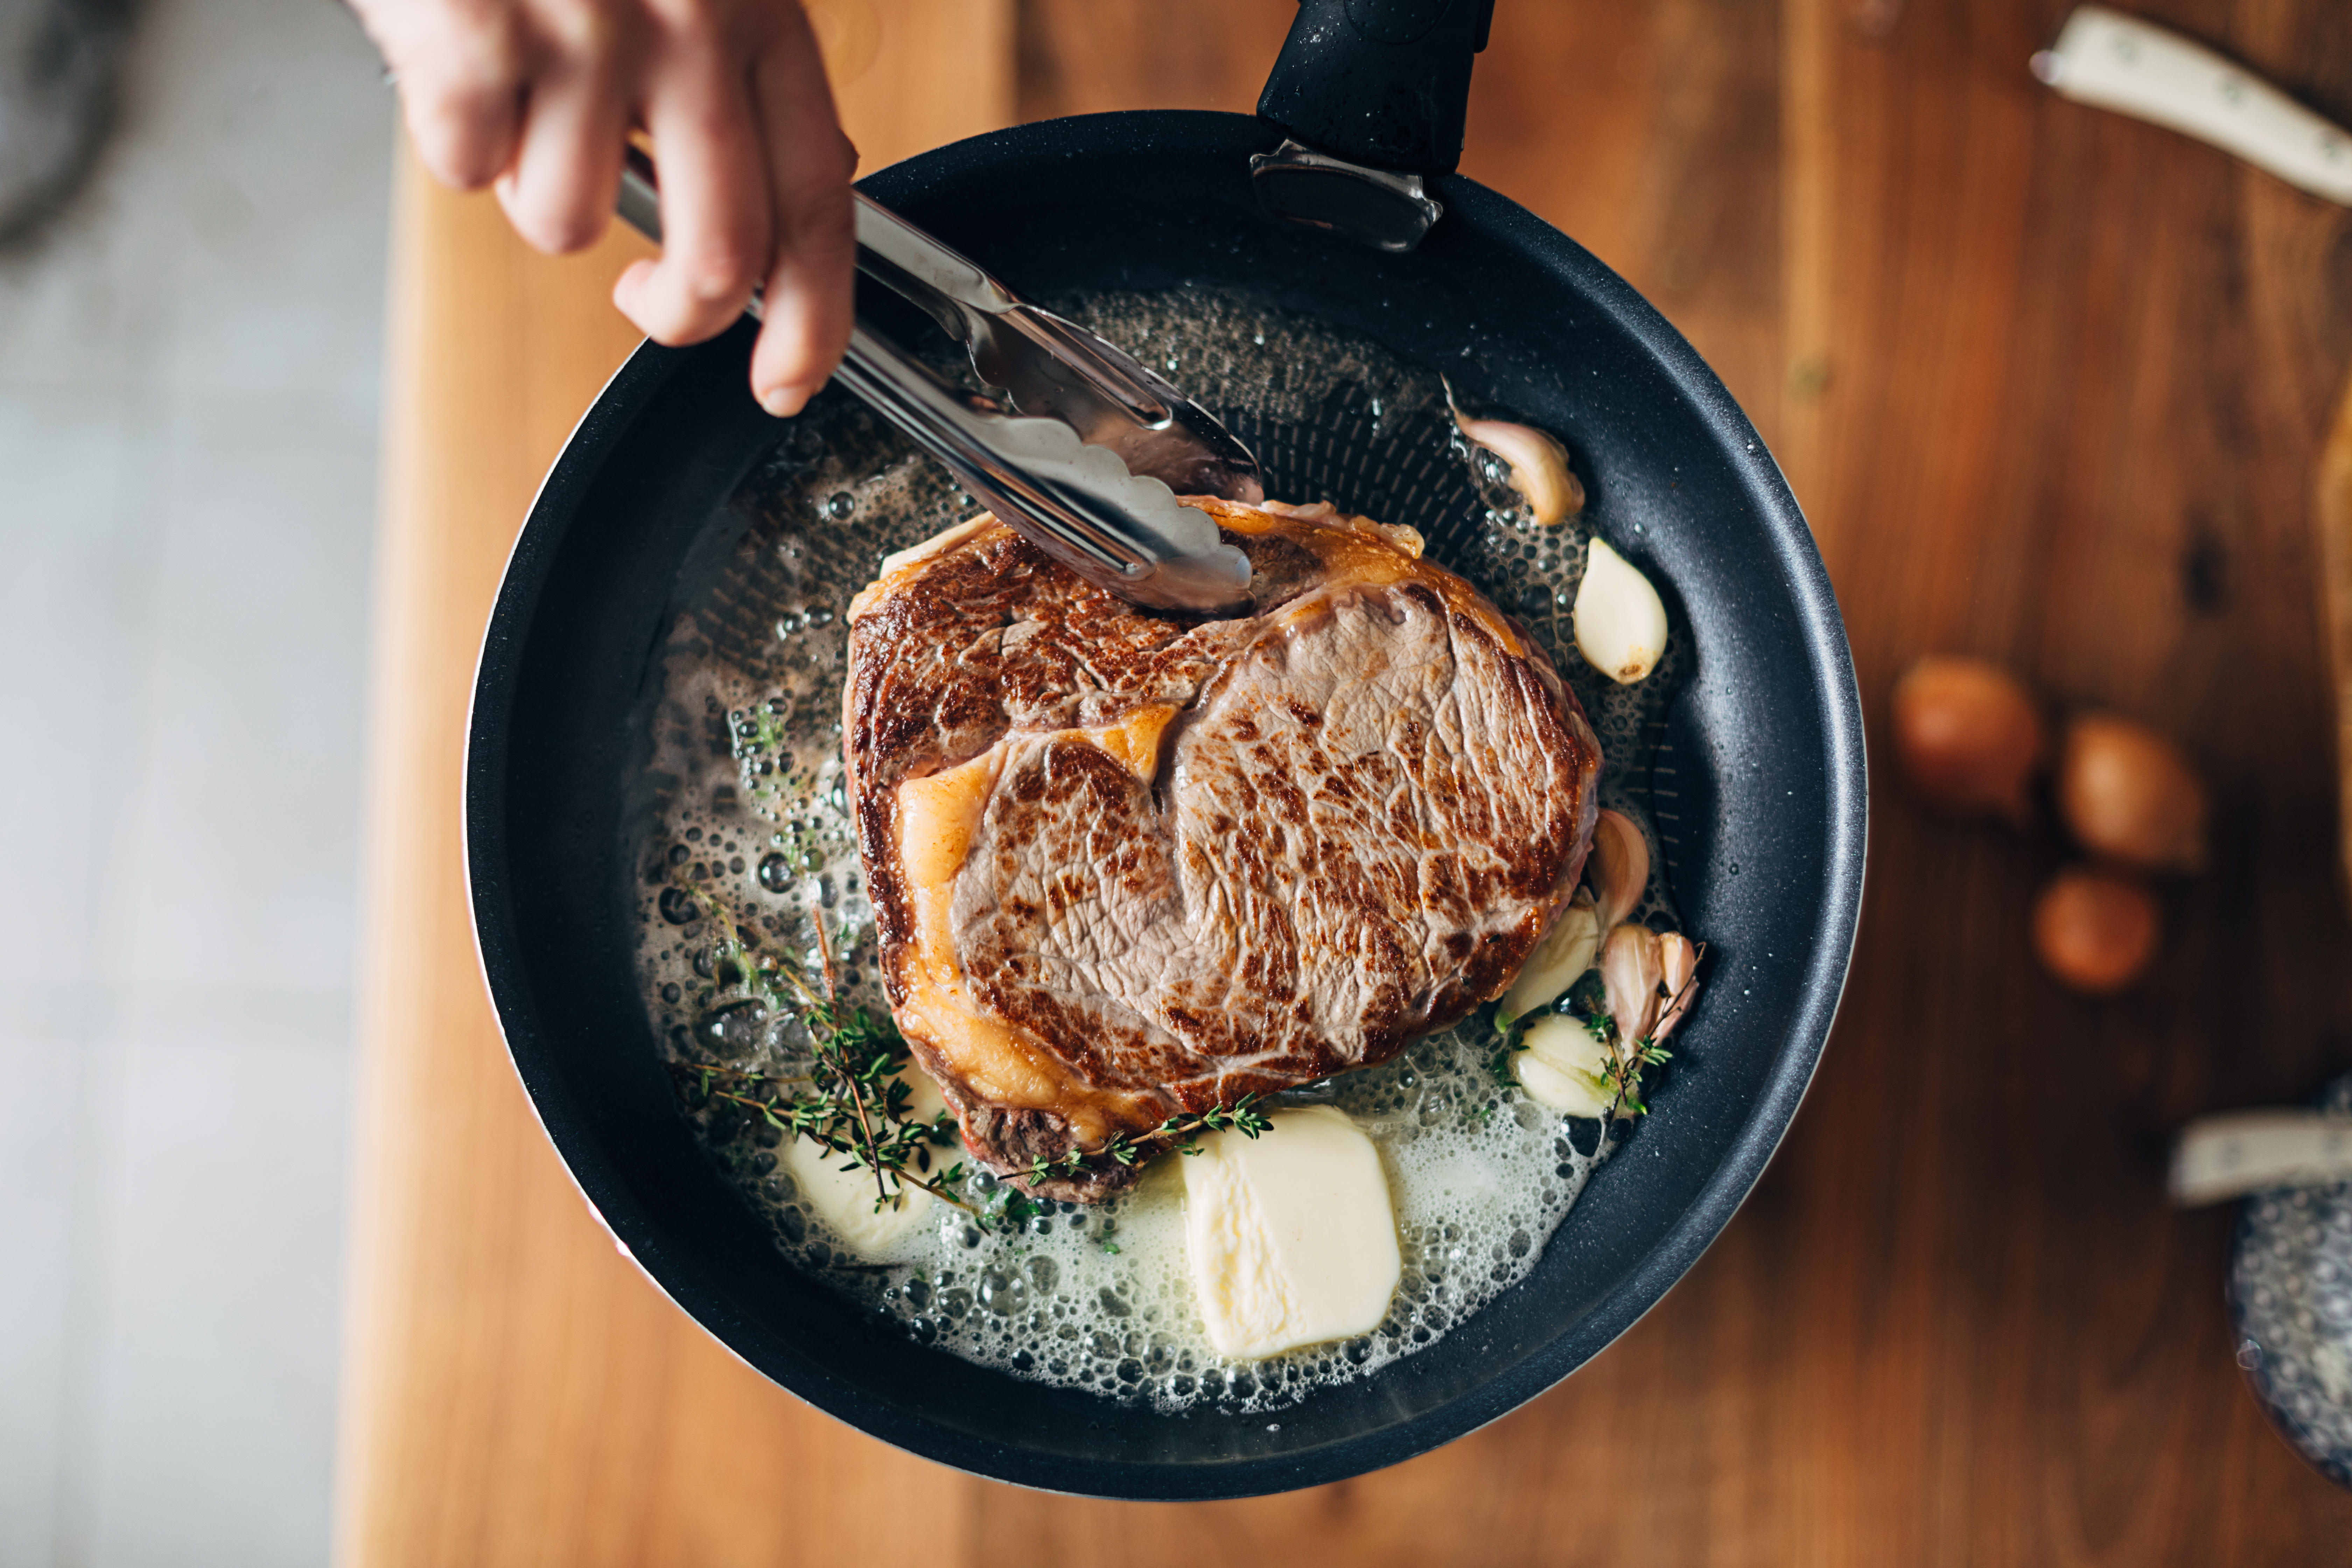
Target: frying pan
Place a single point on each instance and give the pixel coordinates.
(1765, 855)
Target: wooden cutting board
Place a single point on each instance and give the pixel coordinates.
(2052, 386)
(2331, 503)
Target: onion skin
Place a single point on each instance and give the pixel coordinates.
(2095, 931)
(1969, 737)
(2127, 794)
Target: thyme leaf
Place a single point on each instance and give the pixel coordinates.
(1181, 1132)
(850, 1095)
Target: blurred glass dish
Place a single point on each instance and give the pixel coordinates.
(2291, 1300)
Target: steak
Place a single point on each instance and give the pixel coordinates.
(1127, 866)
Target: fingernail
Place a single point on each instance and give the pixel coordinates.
(784, 402)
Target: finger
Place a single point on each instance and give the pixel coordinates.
(809, 160)
(714, 204)
(461, 73)
(558, 190)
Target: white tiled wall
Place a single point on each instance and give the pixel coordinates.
(188, 374)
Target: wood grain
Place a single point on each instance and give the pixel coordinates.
(2053, 387)
(2332, 506)
(516, 1392)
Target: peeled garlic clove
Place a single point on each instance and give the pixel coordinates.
(1621, 622)
(1620, 869)
(1565, 953)
(1631, 968)
(1539, 470)
(1564, 1067)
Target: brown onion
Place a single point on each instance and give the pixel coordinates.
(1968, 736)
(2127, 794)
(2095, 931)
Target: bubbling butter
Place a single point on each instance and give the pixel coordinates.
(842, 1192)
(1290, 1235)
(1095, 1299)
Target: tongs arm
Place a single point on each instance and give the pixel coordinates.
(1055, 369)
(1076, 476)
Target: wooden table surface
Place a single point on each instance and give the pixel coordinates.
(2052, 387)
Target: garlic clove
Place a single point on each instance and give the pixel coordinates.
(1618, 869)
(1621, 622)
(1539, 470)
(1565, 953)
(1630, 968)
(1563, 1067)
(1678, 978)
(1677, 961)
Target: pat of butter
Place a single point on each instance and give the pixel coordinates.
(1291, 1238)
(844, 1199)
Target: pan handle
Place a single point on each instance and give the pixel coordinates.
(1383, 82)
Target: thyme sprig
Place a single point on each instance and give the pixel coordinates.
(1624, 1074)
(1180, 1132)
(851, 1095)
(1622, 1065)
(840, 1121)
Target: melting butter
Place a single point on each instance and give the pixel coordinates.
(841, 1191)
(1291, 1238)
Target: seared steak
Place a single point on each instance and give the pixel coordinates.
(1126, 866)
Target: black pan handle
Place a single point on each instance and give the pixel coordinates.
(1384, 82)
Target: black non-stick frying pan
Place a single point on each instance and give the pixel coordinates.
(1765, 738)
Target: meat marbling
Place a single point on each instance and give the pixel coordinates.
(1126, 866)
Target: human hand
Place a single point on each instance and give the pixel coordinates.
(537, 96)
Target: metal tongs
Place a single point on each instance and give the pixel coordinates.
(1087, 468)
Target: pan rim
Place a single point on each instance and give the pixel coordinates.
(501, 950)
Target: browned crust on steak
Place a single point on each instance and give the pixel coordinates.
(1373, 795)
